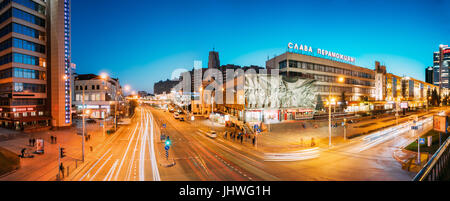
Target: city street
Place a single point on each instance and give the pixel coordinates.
(137, 154)
(349, 162)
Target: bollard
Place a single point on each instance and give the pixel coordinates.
(68, 170)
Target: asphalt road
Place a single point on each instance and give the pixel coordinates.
(127, 156)
(136, 153)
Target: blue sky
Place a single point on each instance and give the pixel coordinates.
(144, 41)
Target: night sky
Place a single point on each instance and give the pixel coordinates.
(144, 41)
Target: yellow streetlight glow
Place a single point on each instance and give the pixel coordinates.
(103, 76)
(127, 88)
(341, 79)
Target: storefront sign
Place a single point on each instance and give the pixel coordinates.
(319, 52)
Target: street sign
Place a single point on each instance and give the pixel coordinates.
(163, 137)
(167, 148)
(414, 127)
(164, 125)
(421, 140)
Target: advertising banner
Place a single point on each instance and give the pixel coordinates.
(40, 146)
(440, 124)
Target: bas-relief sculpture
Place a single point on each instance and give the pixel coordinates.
(273, 92)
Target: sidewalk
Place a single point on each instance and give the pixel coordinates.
(45, 167)
(292, 136)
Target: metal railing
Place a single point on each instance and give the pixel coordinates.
(437, 165)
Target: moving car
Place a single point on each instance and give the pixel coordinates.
(176, 115)
(211, 134)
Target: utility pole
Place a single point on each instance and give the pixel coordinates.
(59, 162)
(345, 129)
(84, 127)
(418, 147)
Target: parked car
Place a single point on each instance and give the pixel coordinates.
(181, 119)
(91, 121)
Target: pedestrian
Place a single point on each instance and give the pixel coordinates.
(51, 139)
(254, 141)
(56, 140)
(242, 138)
(29, 142)
(23, 153)
(61, 168)
(33, 141)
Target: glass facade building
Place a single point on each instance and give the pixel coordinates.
(27, 68)
(441, 65)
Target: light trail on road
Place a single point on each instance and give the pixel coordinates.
(301, 155)
(388, 134)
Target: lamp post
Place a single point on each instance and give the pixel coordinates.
(84, 127)
(201, 100)
(330, 100)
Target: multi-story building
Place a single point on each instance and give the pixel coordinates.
(35, 60)
(142, 94)
(359, 82)
(164, 87)
(429, 71)
(393, 90)
(441, 65)
(100, 96)
(213, 60)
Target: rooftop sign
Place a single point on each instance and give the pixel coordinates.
(305, 49)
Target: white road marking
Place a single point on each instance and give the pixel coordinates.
(126, 152)
(94, 165)
(101, 167)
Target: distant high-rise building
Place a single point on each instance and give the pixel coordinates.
(429, 71)
(213, 61)
(35, 58)
(441, 65)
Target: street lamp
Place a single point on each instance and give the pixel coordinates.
(201, 100)
(83, 123)
(330, 100)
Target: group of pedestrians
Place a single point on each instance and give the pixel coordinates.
(31, 142)
(53, 139)
(239, 136)
(87, 137)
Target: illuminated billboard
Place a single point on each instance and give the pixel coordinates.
(440, 124)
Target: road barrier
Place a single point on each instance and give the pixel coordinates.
(435, 169)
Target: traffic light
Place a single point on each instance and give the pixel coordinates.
(62, 154)
(168, 142)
